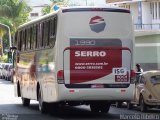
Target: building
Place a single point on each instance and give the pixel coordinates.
(113, 1)
(37, 6)
(146, 15)
(146, 12)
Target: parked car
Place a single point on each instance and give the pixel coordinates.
(8, 70)
(147, 91)
(1, 69)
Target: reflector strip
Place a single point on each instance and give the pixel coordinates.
(71, 90)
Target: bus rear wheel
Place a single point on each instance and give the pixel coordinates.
(129, 105)
(25, 101)
(119, 104)
(42, 105)
(100, 108)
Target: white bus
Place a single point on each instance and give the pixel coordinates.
(75, 56)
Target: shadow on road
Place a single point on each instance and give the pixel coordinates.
(64, 113)
(2, 81)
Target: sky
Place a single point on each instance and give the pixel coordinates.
(77, 2)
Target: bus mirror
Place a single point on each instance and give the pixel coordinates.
(13, 48)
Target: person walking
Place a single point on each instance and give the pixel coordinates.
(139, 69)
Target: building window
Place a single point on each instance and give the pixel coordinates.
(155, 10)
(125, 6)
(159, 9)
(34, 14)
(152, 10)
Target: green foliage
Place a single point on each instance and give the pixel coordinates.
(7, 22)
(48, 8)
(5, 44)
(15, 11)
(12, 13)
(4, 58)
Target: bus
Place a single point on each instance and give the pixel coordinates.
(76, 56)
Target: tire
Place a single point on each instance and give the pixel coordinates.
(25, 102)
(143, 106)
(129, 105)
(105, 108)
(119, 104)
(42, 105)
(100, 108)
(53, 108)
(94, 108)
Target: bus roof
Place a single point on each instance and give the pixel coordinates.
(103, 9)
(37, 20)
(76, 9)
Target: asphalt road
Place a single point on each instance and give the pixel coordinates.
(12, 109)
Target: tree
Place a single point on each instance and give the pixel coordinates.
(16, 11)
(13, 13)
(48, 9)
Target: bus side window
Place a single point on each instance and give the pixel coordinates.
(25, 39)
(45, 34)
(52, 36)
(39, 36)
(42, 37)
(20, 41)
(33, 36)
(36, 36)
(15, 39)
(28, 39)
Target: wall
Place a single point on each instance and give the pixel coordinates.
(147, 51)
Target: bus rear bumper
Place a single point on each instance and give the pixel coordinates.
(111, 94)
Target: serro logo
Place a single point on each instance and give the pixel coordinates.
(90, 53)
(97, 24)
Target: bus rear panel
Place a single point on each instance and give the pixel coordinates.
(96, 56)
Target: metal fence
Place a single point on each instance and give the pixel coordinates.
(147, 26)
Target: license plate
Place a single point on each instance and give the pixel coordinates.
(97, 86)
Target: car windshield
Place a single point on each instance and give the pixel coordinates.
(155, 79)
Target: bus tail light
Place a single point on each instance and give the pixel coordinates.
(133, 76)
(60, 76)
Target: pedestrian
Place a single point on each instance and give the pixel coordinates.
(139, 69)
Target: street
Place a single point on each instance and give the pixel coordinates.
(12, 109)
